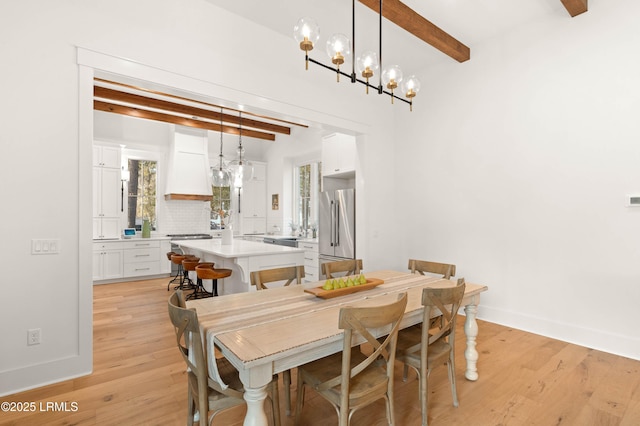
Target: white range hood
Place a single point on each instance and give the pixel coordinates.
(188, 171)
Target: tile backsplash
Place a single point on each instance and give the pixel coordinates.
(186, 217)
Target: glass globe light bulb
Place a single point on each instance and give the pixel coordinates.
(306, 32)
(391, 77)
(367, 65)
(220, 177)
(338, 48)
(411, 86)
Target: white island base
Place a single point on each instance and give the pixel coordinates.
(242, 257)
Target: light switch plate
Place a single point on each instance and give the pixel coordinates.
(45, 246)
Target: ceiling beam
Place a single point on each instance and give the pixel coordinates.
(174, 119)
(406, 18)
(143, 101)
(575, 7)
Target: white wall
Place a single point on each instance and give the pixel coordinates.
(515, 167)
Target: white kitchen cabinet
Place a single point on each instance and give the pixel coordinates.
(141, 257)
(311, 261)
(106, 192)
(125, 259)
(253, 202)
(106, 156)
(338, 154)
(107, 261)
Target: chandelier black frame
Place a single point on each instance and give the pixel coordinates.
(307, 45)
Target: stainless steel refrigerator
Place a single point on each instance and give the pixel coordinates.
(337, 228)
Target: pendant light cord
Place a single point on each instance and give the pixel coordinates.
(220, 165)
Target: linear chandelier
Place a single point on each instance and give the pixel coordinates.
(306, 32)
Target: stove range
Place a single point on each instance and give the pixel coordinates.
(177, 237)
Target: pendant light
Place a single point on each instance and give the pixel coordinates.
(220, 176)
(243, 169)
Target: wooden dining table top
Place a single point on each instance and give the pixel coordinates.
(278, 325)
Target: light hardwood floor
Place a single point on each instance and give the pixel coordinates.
(525, 379)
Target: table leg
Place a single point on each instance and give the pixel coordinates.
(255, 398)
(471, 331)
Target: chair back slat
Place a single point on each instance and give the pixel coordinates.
(343, 267)
(421, 266)
(288, 274)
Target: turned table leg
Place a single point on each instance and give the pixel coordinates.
(471, 331)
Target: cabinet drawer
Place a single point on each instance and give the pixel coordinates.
(310, 274)
(142, 255)
(112, 245)
(308, 246)
(141, 244)
(141, 268)
(310, 263)
(311, 258)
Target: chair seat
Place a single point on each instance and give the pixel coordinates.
(177, 258)
(370, 382)
(410, 338)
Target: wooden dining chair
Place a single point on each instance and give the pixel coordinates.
(350, 380)
(421, 266)
(208, 392)
(426, 347)
(344, 267)
(288, 274)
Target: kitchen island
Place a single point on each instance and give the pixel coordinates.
(242, 257)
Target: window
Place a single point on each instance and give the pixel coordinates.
(221, 203)
(141, 193)
(307, 186)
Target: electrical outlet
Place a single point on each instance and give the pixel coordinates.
(33, 336)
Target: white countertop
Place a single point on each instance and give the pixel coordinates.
(239, 248)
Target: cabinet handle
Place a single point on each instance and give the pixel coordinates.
(141, 244)
(142, 269)
(142, 255)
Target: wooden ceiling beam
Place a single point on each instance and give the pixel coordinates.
(406, 18)
(143, 101)
(575, 7)
(174, 119)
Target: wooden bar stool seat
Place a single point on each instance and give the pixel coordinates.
(206, 271)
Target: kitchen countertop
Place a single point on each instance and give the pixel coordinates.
(239, 248)
(136, 238)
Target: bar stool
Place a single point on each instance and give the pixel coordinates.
(177, 275)
(184, 283)
(189, 263)
(206, 271)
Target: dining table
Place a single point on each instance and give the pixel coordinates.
(263, 333)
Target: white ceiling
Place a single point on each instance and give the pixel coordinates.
(469, 21)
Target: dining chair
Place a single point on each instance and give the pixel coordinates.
(350, 380)
(215, 392)
(421, 266)
(424, 348)
(348, 267)
(288, 274)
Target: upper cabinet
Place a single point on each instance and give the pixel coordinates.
(338, 155)
(106, 192)
(106, 156)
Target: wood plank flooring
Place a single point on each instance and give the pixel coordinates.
(525, 379)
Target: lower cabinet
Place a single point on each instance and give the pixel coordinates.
(141, 258)
(126, 259)
(107, 260)
(311, 263)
